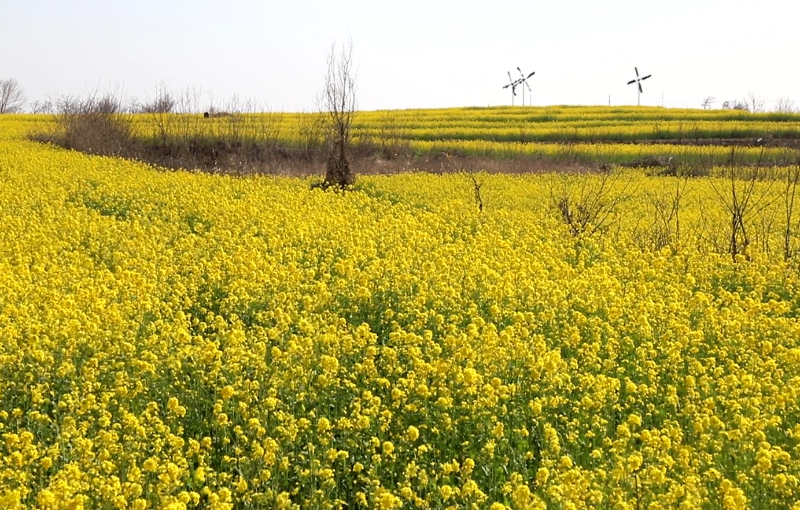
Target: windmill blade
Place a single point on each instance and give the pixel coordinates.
(530, 75)
(526, 84)
(640, 87)
(632, 81)
(646, 77)
(509, 77)
(637, 71)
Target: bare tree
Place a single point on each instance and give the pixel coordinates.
(338, 104)
(11, 96)
(755, 103)
(785, 105)
(708, 102)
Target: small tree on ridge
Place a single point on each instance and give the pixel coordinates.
(338, 104)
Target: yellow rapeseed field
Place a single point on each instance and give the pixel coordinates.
(178, 340)
(567, 134)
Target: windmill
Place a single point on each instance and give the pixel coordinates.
(638, 82)
(524, 81)
(513, 84)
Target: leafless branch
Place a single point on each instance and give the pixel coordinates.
(590, 206)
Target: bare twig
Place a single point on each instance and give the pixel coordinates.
(665, 228)
(742, 201)
(590, 206)
(789, 194)
(477, 189)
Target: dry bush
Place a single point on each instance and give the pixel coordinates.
(95, 124)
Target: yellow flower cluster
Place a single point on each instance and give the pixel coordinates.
(179, 341)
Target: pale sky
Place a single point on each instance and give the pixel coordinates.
(409, 54)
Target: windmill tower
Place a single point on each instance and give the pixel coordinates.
(524, 81)
(638, 81)
(513, 84)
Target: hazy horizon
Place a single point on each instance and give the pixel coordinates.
(410, 55)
